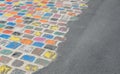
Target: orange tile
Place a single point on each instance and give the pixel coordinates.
(17, 16)
(71, 14)
(44, 7)
(29, 5)
(7, 31)
(1, 58)
(45, 1)
(38, 9)
(19, 21)
(2, 4)
(36, 16)
(26, 41)
(31, 12)
(20, 25)
(52, 42)
(1, 29)
(8, 0)
(13, 12)
(28, 31)
(43, 21)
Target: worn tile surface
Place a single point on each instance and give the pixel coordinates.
(31, 30)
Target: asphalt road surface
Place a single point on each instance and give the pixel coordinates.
(93, 42)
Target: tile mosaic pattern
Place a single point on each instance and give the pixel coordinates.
(30, 31)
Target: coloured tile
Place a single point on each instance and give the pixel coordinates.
(38, 44)
(48, 36)
(5, 52)
(49, 55)
(13, 45)
(26, 41)
(30, 67)
(4, 36)
(51, 42)
(28, 58)
(4, 69)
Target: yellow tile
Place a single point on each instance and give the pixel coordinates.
(54, 27)
(31, 67)
(36, 0)
(14, 38)
(4, 69)
(46, 10)
(7, 14)
(36, 24)
(28, 15)
(83, 4)
(50, 55)
(15, 3)
(41, 4)
(37, 33)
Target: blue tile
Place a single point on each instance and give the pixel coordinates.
(61, 9)
(13, 45)
(38, 44)
(29, 2)
(47, 14)
(28, 58)
(50, 5)
(21, 14)
(4, 36)
(9, 2)
(48, 36)
(11, 24)
(1, 14)
(75, 6)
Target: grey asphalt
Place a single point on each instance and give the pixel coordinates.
(93, 42)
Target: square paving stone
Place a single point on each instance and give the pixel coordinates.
(59, 33)
(28, 58)
(18, 71)
(38, 29)
(48, 36)
(38, 44)
(17, 63)
(42, 62)
(49, 55)
(48, 31)
(5, 59)
(13, 45)
(16, 54)
(50, 47)
(6, 52)
(28, 36)
(37, 51)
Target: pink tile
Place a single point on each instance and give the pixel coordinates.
(39, 39)
(11, 19)
(23, 7)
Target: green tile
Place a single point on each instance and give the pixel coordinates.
(59, 33)
(1, 25)
(24, 11)
(5, 52)
(29, 27)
